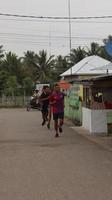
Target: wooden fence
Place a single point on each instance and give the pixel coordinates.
(17, 101)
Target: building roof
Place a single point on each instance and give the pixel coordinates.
(86, 65)
(105, 67)
(102, 77)
(106, 77)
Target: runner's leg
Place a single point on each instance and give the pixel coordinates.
(43, 117)
(61, 121)
(49, 118)
(55, 117)
(56, 127)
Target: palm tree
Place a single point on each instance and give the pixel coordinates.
(12, 65)
(29, 57)
(94, 49)
(76, 55)
(103, 51)
(1, 52)
(61, 65)
(11, 86)
(43, 66)
(39, 66)
(3, 79)
(105, 41)
(28, 64)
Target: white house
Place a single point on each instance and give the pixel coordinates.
(92, 118)
(85, 67)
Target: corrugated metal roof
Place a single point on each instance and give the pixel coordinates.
(97, 78)
(86, 65)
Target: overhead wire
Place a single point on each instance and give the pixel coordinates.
(56, 17)
(47, 36)
(43, 20)
(56, 21)
(20, 37)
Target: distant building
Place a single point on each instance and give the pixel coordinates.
(84, 68)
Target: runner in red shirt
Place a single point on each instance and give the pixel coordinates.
(57, 102)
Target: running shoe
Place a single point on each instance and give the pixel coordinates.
(57, 135)
(43, 123)
(48, 126)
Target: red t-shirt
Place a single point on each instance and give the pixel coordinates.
(58, 99)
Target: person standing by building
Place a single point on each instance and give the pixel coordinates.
(57, 103)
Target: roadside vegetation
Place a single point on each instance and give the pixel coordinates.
(18, 75)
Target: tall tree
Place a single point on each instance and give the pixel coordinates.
(11, 86)
(76, 55)
(1, 56)
(94, 49)
(27, 85)
(1, 51)
(3, 79)
(12, 65)
(108, 39)
(61, 65)
(28, 62)
(44, 66)
(103, 51)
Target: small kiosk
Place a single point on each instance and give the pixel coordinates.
(97, 104)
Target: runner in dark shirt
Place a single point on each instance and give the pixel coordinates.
(44, 100)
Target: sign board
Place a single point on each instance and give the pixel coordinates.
(74, 95)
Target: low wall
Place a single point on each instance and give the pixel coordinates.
(96, 121)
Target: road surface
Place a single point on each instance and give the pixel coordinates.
(34, 165)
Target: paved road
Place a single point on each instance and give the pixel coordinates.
(36, 166)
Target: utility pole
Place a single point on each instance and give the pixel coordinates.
(69, 12)
(70, 44)
(49, 43)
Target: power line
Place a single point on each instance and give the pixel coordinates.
(57, 21)
(49, 17)
(45, 44)
(47, 36)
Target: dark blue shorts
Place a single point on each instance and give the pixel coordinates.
(57, 116)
